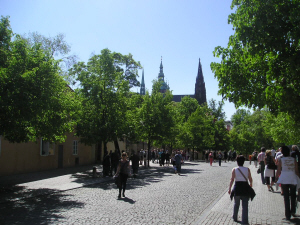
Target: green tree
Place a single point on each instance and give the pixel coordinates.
(198, 133)
(250, 133)
(104, 88)
(57, 47)
(155, 118)
(282, 128)
(35, 101)
(260, 64)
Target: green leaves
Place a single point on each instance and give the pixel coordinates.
(259, 66)
(35, 101)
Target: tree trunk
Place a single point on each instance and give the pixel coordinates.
(105, 147)
(98, 151)
(117, 147)
(149, 145)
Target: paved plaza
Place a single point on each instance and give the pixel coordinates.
(157, 196)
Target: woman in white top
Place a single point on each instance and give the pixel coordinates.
(287, 173)
(241, 191)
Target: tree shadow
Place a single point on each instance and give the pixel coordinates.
(43, 209)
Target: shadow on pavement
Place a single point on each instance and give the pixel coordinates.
(38, 210)
(129, 200)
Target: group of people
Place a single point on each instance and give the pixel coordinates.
(112, 164)
(212, 156)
(287, 175)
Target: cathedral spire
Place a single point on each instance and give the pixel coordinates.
(161, 77)
(142, 90)
(161, 71)
(200, 91)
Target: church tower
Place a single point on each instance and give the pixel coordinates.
(161, 77)
(200, 91)
(142, 90)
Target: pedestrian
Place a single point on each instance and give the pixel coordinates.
(261, 161)
(220, 157)
(134, 164)
(162, 158)
(296, 155)
(254, 158)
(234, 155)
(250, 159)
(114, 158)
(106, 165)
(225, 155)
(269, 170)
(123, 171)
(178, 158)
(206, 155)
(241, 190)
(174, 163)
(167, 158)
(211, 158)
(215, 155)
(287, 173)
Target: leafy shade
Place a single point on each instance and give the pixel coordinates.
(260, 65)
(35, 101)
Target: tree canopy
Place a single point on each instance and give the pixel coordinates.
(35, 101)
(260, 66)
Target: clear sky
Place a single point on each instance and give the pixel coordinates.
(179, 31)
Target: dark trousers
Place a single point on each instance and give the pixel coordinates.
(135, 170)
(289, 203)
(262, 171)
(220, 160)
(123, 178)
(178, 166)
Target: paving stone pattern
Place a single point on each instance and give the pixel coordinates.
(157, 196)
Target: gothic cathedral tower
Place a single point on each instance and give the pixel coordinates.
(161, 77)
(142, 90)
(200, 91)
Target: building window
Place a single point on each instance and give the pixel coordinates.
(46, 148)
(75, 147)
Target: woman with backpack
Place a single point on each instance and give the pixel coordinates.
(269, 170)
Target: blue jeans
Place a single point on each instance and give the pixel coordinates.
(245, 200)
(289, 190)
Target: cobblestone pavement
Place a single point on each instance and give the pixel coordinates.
(157, 196)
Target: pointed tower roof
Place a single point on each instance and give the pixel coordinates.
(200, 90)
(161, 71)
(142, 90)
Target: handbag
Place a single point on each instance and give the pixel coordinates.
(258, 170)
(117, 180)
(272, 166)
(250, 189)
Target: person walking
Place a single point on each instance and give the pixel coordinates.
(167, 158)
(135, 164)
(123, 171)
(220, 158)
(178, 159)
(241, 190)
(287, 173)
(269, 170)
(106, 165)
(261, 160)
(211, 158)
(296, 155)
(254, 158)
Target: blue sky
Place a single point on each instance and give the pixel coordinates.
(179, 31)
